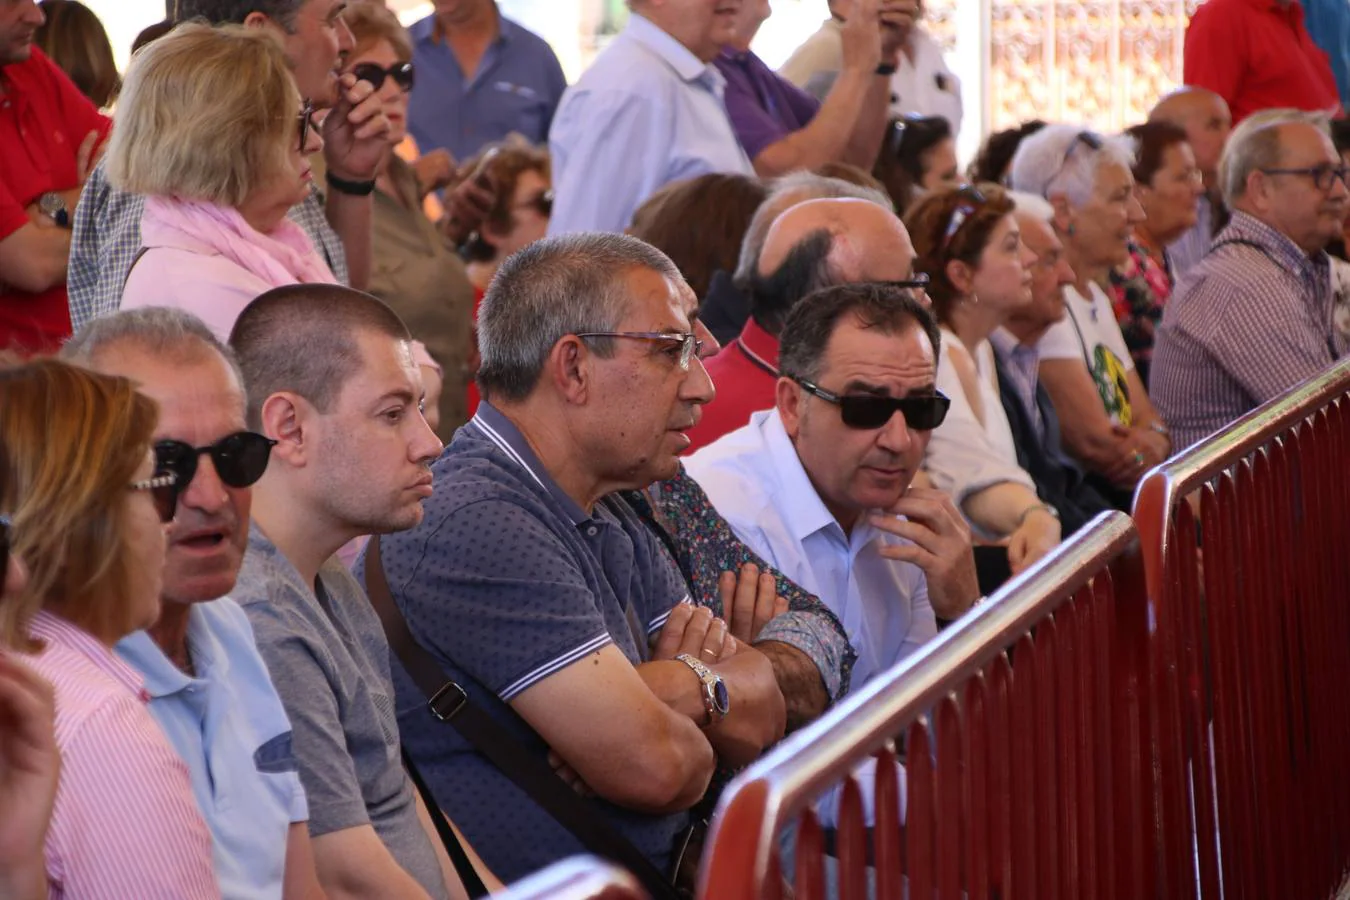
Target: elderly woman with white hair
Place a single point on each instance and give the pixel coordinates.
(1108, 422)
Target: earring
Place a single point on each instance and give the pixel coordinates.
(1068, 232)
(974, 299)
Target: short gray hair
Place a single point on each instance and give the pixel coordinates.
(1255, 144)
(562, 285)
(1050, 162)
(1033, 205)
(160, 331)
(234, 12)
(787, 192)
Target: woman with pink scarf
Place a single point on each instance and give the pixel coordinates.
(211, 128)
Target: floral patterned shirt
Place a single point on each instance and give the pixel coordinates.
(1139, 291)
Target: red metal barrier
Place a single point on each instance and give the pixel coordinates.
(1025, 743)
(577, 878)
(1251, 681)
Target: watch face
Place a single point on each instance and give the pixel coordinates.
(51, 202)
(721, 699)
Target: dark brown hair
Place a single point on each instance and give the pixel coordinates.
(930, 220)
(700, 223)
(512, 158)
(992, 162)
(75, 40)
(1151, 142)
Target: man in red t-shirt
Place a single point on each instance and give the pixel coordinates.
(50, 135)
(812, 245)
(1257, 54)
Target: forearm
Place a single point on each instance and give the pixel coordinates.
(826, 138)
(34, 258)
(1000, 508)
(869, 129)
(799, 680)
(448, 870)
(351, 217)
(756, 717)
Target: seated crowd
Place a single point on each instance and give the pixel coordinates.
(414, 470)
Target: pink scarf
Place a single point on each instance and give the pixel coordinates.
(282, 257)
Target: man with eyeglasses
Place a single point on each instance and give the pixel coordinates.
(810, 246)
(1254, 317)
(543, 592)
(820, 485)
(209, 688)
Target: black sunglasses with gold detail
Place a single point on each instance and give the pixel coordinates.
(402, 73)
(163, 492)
(867, 412)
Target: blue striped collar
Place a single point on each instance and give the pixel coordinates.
(497, 428)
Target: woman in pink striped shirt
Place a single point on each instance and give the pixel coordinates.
(86, 513)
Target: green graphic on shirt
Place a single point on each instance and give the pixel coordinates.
(1108, 373)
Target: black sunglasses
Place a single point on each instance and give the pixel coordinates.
(402, 73)
(541, 203)
(1323, 176)
(240, 460)
(306, 118)
(868, 412)
(163, 490)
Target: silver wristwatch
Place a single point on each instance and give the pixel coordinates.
(53, 205)
(716, 700)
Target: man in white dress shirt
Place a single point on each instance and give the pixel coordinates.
(820, 485)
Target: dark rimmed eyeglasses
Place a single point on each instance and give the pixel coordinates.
(1089, 139)
(541, 203)
(402, 73)
(962, 211)
(240, 460)
(163, 492)
(306, 119)
(868, 412)
(1323, 176)
(689, 345)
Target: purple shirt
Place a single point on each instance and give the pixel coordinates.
(763, 106)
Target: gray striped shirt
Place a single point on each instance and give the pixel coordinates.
(1250, 321)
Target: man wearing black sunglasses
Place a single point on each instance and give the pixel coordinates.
(209, 687)
(820, 484)
(810, 246)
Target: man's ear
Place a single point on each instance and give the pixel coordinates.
(789, 397)
(284, 419)
(569, 369)
(256, 20)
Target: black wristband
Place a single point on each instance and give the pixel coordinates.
(354, 188)
(885, 69)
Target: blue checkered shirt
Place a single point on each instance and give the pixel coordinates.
(106, 237)
(1251, 320)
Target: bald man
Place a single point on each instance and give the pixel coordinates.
(1207, 122)
(811, 246)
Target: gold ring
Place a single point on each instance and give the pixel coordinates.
(709, 652)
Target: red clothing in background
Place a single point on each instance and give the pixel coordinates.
(1257, 54)
(475, 359)
(744, 373)
(43, 120)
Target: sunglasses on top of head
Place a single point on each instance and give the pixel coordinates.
(867, 412)
(970, 204)
(239, 459)
(402, 73)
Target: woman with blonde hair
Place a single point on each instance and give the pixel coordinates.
(211, 128)
(86, 515)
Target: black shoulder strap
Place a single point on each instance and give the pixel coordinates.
(449, 702)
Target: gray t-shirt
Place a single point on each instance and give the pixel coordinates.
(329, 661)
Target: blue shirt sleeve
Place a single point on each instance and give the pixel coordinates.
(609, 151)
(489, 569)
